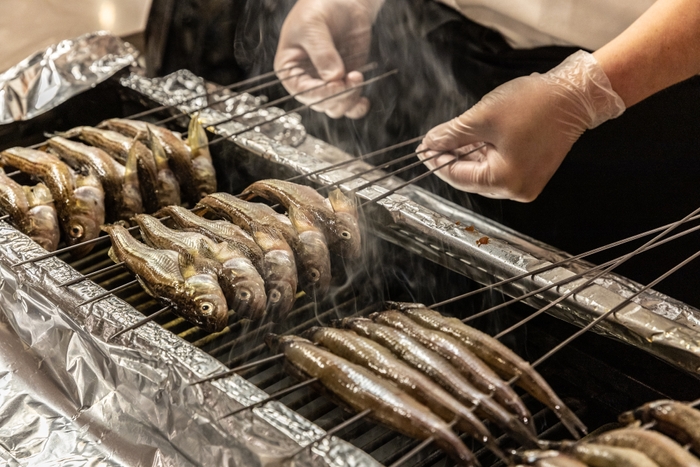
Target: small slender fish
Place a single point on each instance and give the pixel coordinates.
(120, 203)
(43, 227)
(33, 215)
(172, 278)
(471, 367)
(659, 448)
(202, 164)
(218, 230)
(79, 200)
(675, 419)
(243, 287)
(548, 459)
(499, 357)
(441, 371)
(600, 455)
(280, 268)
(360, 389)
(368, 354)
(342, 230)
(178, 153)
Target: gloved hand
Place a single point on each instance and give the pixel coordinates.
(528, 124)
(324, 39)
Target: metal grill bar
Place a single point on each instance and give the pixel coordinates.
(273, 396)
(333, 431)
(138, 324)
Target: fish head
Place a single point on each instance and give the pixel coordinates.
(347, 235)
(280, 297)
(278, 343)
(244, 288)
(204, 303)
(342, 203)
(44, 227)
(311, 333)
(315, 269)
(86, 214)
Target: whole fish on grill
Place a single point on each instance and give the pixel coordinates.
(659, 448)
(79, 200)
(122, 201)
(471, 367)
(341, 229)
(218, 230)
(359, 389)
(441, 371)
(168, 186)
(499, 357)
(178, 153)
(675, 419)
(600, 455)
(308, 244)
(367, 353)
(243, 287)
(172, 278)
(203, 166)
(280, 273)
(119, 146)
(31, 211)
(548, 459)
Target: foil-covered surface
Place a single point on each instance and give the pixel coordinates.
(50, 77)
(427, 225)
(71, 396)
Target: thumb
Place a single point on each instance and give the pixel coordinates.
(323, 54)
(466, 129)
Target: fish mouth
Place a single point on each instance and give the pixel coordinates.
(315, 259)
(348, 236)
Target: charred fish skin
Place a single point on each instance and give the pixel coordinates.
(108, 171)
(202, 164)
(659, 448)
(79, 201)
(360, 389)
(441, 371)
(179, 154)
(675, 419)
(218, 230)
(471, 367)
(196, 297)
(368, 354)
(342, 232)
(499, 357)
(599, 455)
(43, 226)
(243, 287)
(13, 201)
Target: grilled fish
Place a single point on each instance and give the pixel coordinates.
(675, 419)
(499, 357)
(171, 277)
(243, 287)
(280, 268)
(367, 353)
(219, 231)
(441, 371)
(659, 448)
(120, 203)
(341, 229)
(79, 200)
(155, 192)
(476, 371)
(178, 153)
(31, 211)
(599, 455)
(548, 459)
(204, 173)
(168, 186)
(360, 389)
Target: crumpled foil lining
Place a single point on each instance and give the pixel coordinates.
(48, 78)
(426, 225)
(70, 396)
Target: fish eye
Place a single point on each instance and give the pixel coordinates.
(244, 295)
(345, 234)
(275, 296)
(76, 231)
(206, 308)
(314, 274)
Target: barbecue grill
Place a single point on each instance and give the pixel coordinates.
(132, 391)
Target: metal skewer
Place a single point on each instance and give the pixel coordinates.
(108, 293)
(5, 217)
(332, 431)
(272, 396)
(237, 369)
(92, 274)
(140, 323)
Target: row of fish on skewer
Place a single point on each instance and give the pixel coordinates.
(419, 373)
(91, 175)
(248, 260)
(674, 428)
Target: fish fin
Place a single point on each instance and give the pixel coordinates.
(342, 203)
(193, 130)
(131, 163)
(161, 157)
(113, 255)
(300, 220)
(187, 263)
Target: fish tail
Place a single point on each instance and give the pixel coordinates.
(569, 419)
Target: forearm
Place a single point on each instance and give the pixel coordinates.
(658, 50)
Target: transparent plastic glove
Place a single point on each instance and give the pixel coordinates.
(322, 40)
(528, 124)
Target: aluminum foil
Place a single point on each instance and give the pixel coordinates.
(427, 225)
(50, 77)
